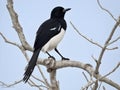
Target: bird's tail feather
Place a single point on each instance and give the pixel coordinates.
(31, 65)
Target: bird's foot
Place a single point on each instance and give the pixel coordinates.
(63, 58)
(51, 57)
(50, 70)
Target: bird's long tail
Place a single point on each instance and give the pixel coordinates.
(31, 65)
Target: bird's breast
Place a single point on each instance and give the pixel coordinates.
(53, 42)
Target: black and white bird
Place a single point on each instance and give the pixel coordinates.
(49, 34)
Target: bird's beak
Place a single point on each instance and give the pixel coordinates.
(65, 10)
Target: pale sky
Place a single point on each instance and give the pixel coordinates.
(89, 19)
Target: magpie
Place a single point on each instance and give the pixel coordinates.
(49, 34)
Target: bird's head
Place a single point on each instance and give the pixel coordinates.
(59, 12)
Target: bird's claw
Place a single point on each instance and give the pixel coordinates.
(51, 57)
(63, 58)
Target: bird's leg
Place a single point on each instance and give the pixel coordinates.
(50, 56)
(63, 58)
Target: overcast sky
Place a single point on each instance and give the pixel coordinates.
(86, 15)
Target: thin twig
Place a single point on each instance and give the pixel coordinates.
(10, 42)
(94, 58)
(10, 85)
(86, 79)
(38, 79)
(114, 40)
(100, 86)
(104, 88)
(32, 84)
(113, 70)
(85, 76)
(15, 44)
(45, 80)
(106, 10)
(90, 40)
(88, 84)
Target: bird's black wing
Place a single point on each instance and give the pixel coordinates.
(46, 31)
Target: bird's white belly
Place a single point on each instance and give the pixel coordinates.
(53, 42)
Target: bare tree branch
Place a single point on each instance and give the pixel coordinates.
(95, 85)
(103, 51)
(105, 46)
(53, 80)
(17, 26)
(87, 67)
(92, 82)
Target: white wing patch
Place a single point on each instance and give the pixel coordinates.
(52, 29)
(59, 28)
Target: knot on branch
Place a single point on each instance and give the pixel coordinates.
(50, 64)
